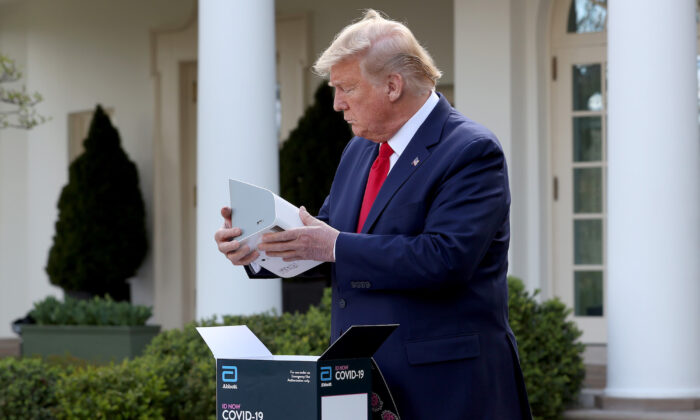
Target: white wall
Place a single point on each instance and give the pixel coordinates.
(13, 186)
(78, 53)
(483, 59)
(529, 165)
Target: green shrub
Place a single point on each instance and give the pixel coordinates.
(100, 238)
(27, 389)
(186, 364)
(175, 378)
(304, 334)
(97, 311)
(190, 385)
(550, 354)
(130, 390)
(309, 156)
(168, 387)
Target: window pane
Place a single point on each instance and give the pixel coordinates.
(588, 293)
(587, 16)
(588, 190)
(587, 92)
(587, 139)
(588, 241)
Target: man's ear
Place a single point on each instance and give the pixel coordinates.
(394, 86)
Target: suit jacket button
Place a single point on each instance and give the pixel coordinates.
(342, 303)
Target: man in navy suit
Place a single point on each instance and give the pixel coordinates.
(416, 228)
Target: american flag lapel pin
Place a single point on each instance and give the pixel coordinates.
(416, 161)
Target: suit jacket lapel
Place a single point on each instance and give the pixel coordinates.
(415, 154)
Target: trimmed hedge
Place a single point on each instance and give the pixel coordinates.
(175, 378)
(130, 390)
(183, 359)
(307, 333)
(97, 311)
(27, 389)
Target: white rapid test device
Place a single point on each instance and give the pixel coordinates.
(257, 211)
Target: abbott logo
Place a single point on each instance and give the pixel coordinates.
(229, 374)
(326, 374)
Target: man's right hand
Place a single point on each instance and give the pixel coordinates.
(229, 246)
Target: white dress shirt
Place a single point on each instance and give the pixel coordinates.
(400, 140)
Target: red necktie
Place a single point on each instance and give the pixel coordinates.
(377, 175)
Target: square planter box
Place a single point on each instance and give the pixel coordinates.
(95, 343)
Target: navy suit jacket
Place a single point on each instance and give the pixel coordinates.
(432, 257)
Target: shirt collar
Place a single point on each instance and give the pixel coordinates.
(400, 140)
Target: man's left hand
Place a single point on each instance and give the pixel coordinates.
(314, 241)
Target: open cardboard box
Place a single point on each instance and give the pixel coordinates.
(254, 384)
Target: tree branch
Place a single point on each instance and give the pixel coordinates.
(25, 116)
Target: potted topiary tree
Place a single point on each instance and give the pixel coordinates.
(100, 238)
(100, 242)
(308, 159)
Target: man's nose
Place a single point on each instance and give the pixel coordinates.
(338, 103)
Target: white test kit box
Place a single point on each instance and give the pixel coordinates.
(258, 211)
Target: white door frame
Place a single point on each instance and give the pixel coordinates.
(594, 327)
(568, 49)
(169, 48)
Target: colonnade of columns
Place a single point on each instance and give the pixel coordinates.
(653, 226)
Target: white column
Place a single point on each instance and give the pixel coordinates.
(483, 84)
(237, 138)
(483, 65)
(497, 83)
(654, 201)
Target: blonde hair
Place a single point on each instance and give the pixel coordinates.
(384, 46)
